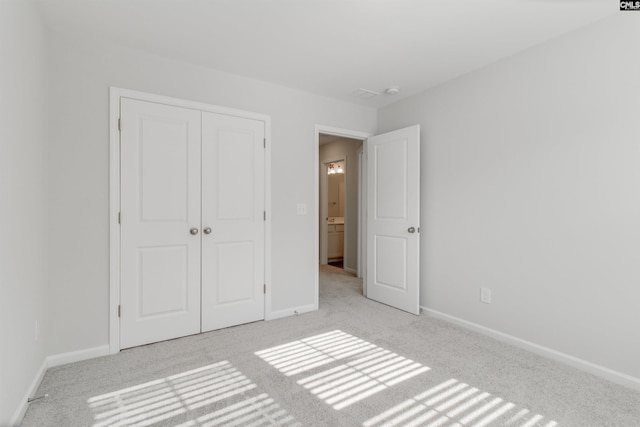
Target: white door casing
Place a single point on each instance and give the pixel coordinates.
(393, 219)
(160, 203)
(233, 206)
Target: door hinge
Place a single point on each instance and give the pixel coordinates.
(264, 142)
(119, 218)
(118, 311)
(418, 229)
(119, 125)
(265, 288)
(264, 215)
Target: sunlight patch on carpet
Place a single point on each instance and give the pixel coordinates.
(366, 369)
(453, 403)
(226, 395)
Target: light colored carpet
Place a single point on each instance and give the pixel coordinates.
(354, 362)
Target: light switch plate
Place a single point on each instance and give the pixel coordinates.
(301, 209)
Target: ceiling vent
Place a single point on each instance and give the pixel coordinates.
(365, 94)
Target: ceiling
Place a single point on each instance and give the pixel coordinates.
(329, 47)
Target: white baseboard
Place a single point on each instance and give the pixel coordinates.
(22, 409)
(291, 312)
(49, 362)
(77, 356)
(583, 365)
(351, 270)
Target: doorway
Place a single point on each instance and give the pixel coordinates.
(389, 214)
(335, 201)
(339, 192)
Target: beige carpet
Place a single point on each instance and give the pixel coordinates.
(354, 362)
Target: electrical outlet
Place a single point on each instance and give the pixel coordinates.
(301, 209)
(485, 295)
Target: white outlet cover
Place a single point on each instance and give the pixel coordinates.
(485, 295)
(301, 209)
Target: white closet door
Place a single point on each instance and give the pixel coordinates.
(160, 204)
(232, 208)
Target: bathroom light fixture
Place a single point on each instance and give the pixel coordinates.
(335, 168)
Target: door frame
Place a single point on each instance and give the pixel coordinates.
(335, 131)
(115, 94)
(362, 226)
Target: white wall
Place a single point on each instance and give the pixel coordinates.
(339, 149)
(81, 73)
(531, 187)
(23, 207)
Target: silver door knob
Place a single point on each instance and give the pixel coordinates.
(411, 230)
(207, 230)
(193, 231)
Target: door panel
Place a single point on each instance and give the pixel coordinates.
(393, 199)
(390, 183)
(163, 170)
(234, 162)
(232, 206)
(236, 265)
(163, 280)
(392, 275)
(160, 202)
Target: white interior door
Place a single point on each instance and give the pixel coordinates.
(233, 205)
(393, 219)
(160, 204)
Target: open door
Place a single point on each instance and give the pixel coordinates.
(393, 219)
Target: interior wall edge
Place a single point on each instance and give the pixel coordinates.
(24, 146)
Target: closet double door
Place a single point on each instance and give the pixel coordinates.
(192, 221)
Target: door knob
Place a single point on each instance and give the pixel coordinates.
(411, 230)
(207, 230)
(193, 231)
